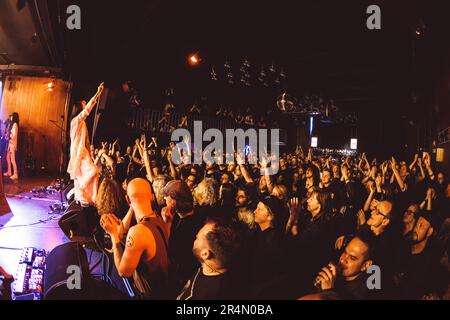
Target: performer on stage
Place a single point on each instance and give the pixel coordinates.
(81, 166)
(4, 140)
(12, 147)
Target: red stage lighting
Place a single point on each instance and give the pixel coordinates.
(194, 59)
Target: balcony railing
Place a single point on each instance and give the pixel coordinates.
(157, 121)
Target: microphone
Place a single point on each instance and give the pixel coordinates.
(318, 282)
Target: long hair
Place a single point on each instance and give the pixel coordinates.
(15, 118)
(110, 199)
(228, 196)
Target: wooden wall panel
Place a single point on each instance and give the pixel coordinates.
(29, 96)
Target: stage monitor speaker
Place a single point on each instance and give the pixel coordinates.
(57, 277)
(56, 273)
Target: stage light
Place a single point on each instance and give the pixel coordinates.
(440, 155)
(353, 144)
(314, 142)
(50, 85)
(194, 59)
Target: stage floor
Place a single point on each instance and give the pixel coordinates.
(28, 224)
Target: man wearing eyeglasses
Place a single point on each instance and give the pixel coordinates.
(387, 243)
(380, 218)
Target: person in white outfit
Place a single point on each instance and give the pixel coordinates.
(12, 148)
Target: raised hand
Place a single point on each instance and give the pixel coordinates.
(427, 162)
(419, 162)
(430, 194)
(294, 207)
(384, 167)
(339, 242)
(378, 181)
(327, 277)
(371, 186)
(169, 155)
(101, 87)
(240, 158)
(394, 163)
(361, 218)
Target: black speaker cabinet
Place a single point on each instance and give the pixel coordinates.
(56, 273)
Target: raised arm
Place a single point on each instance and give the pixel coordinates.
(427, 162)
(142, 147)
(369, 199)
(243, 168)
(400, 182)
(91, 104)
(422, 171)
(411, 166)
(173, 172)
(110, 163)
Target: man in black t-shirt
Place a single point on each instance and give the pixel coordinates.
(214, 247)
(420, 274)
(182, 223)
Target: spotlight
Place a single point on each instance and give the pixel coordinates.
(50, 85)
(194, 59)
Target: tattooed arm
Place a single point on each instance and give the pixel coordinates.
(139, 239)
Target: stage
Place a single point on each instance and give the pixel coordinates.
(30, 225)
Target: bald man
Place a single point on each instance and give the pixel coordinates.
(388, 245)
(146, 243)
(380, 217)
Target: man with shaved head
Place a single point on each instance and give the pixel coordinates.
(387, 242)
(145, 254)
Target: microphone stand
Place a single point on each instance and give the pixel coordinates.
(60, 208)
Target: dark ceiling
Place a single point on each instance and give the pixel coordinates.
(323, 46)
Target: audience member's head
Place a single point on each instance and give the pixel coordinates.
(355, 259)
(216, 245)
(110, 198)
(269, 213)
(380, 217)
(178, 196)
(205, 193)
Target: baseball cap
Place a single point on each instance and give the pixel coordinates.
(177, 190)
